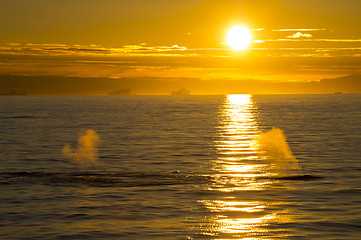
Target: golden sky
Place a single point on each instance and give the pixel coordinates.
(292, 39)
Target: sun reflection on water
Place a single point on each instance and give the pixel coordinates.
(238, 127)
(240, 175)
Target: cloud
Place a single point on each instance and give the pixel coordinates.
(337, 40)
(314, 40)
(145, 49)
(300, 35)
(142, 60)
(298, 29)
(50, 49)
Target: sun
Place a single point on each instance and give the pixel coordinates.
(238, 37)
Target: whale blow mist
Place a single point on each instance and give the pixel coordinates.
(85, 153)
(272, 146)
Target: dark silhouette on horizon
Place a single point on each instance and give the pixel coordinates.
(62, 85)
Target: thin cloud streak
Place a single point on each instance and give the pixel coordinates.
(141, 60)
(93, 53)
(54, 49)
(298, 29)
(311, 40)
(84, 50)
(300, 35)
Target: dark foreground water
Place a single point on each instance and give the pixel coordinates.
(180, 167)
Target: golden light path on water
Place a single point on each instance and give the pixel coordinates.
(241, 175)
(237, 156)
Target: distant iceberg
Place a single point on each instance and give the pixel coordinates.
(181, 92)
(14, 93)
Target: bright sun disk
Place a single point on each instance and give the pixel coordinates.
(238, 37)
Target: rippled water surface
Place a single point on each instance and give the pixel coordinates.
(187, 167)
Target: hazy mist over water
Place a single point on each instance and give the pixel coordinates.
(180, 167)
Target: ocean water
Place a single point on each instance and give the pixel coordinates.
(180, 167)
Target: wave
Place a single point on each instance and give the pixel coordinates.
(299, 177)
(19, 117)
(103, 179)
(124, 179)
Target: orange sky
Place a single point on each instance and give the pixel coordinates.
(293, 40)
